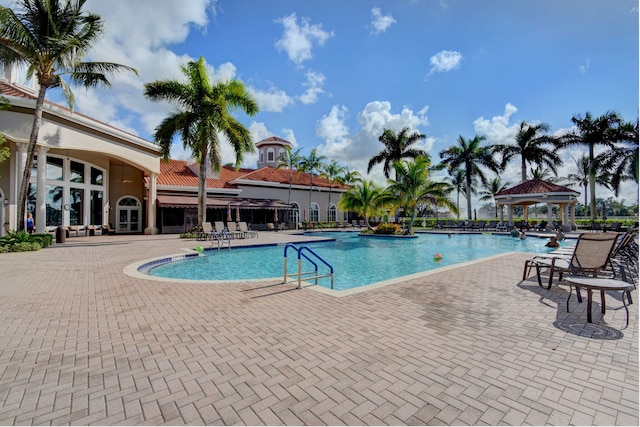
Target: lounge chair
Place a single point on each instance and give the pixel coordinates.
(361, 223)
(479, 226)
(590, 256)
(354, 223)
(502, 226)
(491, 225)
(245, 230)
(207, 233)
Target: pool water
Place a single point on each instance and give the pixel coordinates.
(357, 261)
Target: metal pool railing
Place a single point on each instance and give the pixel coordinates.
(302, 253)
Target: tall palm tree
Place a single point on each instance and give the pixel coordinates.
(604, 131)
(532, 145)
(291, 160)
(413, 186)
(349, 177)
(458, 178)
(5, 152)
(366, 199)
(202, 113)
(469, 155)
(331, 172)
(396, 147)
(492, 188)
(50, 38)
(581, 176)
(622, 160)
(312, 164)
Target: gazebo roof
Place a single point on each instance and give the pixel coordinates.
(536, 186)
(536, 191)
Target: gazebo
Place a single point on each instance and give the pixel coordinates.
(538, 191)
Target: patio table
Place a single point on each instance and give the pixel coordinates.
(601, 284)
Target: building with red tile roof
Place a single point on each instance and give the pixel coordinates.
(88, 173)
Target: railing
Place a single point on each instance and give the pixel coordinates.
(308, 274)
(222, 235)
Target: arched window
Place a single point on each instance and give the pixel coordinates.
(270, 155)
(331, 213)
(313, 214)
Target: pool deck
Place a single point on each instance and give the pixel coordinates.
(83, 343)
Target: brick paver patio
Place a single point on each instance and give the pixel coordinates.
(83, 343)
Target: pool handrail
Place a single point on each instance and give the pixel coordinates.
(301, 255)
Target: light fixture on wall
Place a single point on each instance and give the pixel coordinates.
(122, 180)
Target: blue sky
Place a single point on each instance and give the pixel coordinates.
(334, 74)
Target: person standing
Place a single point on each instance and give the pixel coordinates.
(29, 223)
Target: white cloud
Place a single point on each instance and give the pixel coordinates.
(273, 100)
(354, 149)
(380, 22)
(314, 84)
(583, 68)
(444, 61)
(298, 40)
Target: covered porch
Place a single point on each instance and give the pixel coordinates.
(178, 213)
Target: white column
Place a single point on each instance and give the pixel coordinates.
(151, 205)
(510, 214)
(572, 215)
(549, 216)
(41, 191)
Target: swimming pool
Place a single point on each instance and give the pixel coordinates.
(357, 260)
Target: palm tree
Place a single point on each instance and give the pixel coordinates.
(331, 172)
(291, 160)
(604, 131)
(543, 174)
(397, 147)
(457, 178)
(532, 146)
(492, 188)
(413, 186)
(50, 38)
(622, 160)
(366, 199)
(581, 176)
(202, 113)
(5, 152)
(311, 165)
(349, 178)
(470, 154)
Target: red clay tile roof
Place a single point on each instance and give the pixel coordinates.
(536, 186)
(11, 90)
(270, 174)
(272, 139)
(176, 173)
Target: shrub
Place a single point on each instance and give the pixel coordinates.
(25, 247)
(388, 228)
(4, 249)
(44, 239)
(188, 235)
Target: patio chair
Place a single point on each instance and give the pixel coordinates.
(207, 232)
(590, 256)
(479, 226)
(492, 225)
(247, 232)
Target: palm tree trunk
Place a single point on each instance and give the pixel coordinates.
(592, 183)
(523, 170)
(290, 181)
(202, 188)
(31, 149)
(468, 193)
(310, 189)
